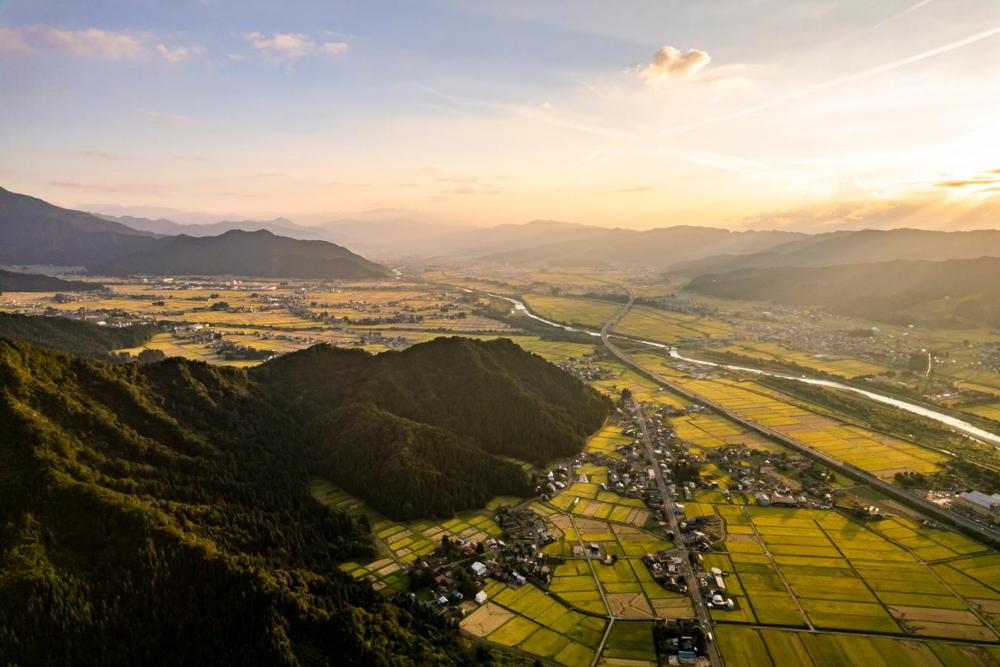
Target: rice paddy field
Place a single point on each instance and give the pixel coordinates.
(277, 317)
(400, 544)
(587, 312)
(880, 454)
(820, 570)
(772, 647)
(664, 326)
(530, 620)
(841, 366)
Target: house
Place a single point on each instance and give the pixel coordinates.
(482, 597)
(479, 569)
(517, 580)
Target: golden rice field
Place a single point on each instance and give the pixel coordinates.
(798, 567)
(879, 454)
(989, 410)
(529, 619)
(587, 312)
(753, 647)
(841, 366)
(709, 431)
(669, 327)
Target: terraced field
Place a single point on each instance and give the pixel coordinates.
(400, 544)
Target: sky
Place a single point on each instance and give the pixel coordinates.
(804, 114)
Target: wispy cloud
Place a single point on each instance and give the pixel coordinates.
(290, 47)
(986, 178)
(164, 119)
(90, 43)
(670, 62)
(901, 14)
(850, 78)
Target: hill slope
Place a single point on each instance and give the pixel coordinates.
(860, 247)
(259, 254)
(161, 514)
(950, 293)
(14, 281)
(74, 336)
(35, 232)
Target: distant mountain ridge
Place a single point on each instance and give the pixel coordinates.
(238, 253)
(165, 227)
(864, 246)
(957, 292)
(35, 232)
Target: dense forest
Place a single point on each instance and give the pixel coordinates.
(160, 514)
(74, 336)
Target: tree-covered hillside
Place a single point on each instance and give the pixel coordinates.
(15, 281)
(160, 514)
(75, 336)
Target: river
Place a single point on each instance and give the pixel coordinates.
(952, 422)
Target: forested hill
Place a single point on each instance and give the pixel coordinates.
(14, 281)
(961, 292)
(75, 336)
(160, 514)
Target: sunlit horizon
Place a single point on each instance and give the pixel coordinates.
(811, 116)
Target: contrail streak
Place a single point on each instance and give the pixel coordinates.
(788, 97)
(901, 14)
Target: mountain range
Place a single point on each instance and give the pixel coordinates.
(35, 232)
(161, 514)
(259, 254)
(950, 293)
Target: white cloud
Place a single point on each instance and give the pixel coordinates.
(290, 47)
(90, 43)
(177, 54)
(671, 62)
(335, 48)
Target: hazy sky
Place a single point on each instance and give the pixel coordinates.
(810, 113)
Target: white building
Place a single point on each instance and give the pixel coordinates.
(980, 503)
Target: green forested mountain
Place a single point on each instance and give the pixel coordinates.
(504, 400)
(160, 514)
(15, 281)
(960, 292)
(75, 336)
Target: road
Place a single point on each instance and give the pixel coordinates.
(714, 656)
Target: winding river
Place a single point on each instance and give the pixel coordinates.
(952, 422)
